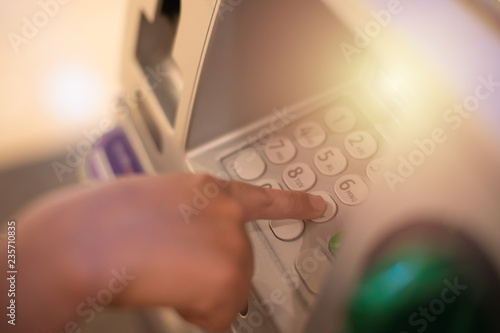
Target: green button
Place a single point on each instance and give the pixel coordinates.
(335, 242)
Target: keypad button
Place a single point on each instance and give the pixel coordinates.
(374, 168)
(288, 229)
(335, 243)
(340, 119)
(299, 177)
(360, 145)
(249, 165)
(269, 183)
(330, 161)
(280, 150)
(310, 135)
(331, 207)
(313, 266)
(351, 189)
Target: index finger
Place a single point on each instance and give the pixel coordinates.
(265, 203)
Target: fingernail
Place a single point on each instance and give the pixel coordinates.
(317, 203)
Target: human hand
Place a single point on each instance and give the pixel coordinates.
(199, 263)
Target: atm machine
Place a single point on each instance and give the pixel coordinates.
(389, 110)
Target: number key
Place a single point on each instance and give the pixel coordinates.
(360, 145)
(287, 230)
(330, 161)
(310, 135)
(280, 150)
(340, 119)
(269, 183)
(249, 165)
(331, 207)
(351, 189)
(299, 177)
(374, 168)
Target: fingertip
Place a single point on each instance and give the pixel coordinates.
(318, 204)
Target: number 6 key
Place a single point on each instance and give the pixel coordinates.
(351, 189)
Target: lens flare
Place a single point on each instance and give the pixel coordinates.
(74, 94)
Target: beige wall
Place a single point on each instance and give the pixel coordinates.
(62, 81)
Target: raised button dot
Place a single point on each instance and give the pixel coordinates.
(269, 183)
(360, 145)
(310, 135)
(288, 229)
(299, 177)
(280, 150)
(351, 189)
(374, 168)
(340, 119)
(331, 207)
(249, 165)
(330, 161)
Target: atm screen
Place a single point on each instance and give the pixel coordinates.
(265, 55)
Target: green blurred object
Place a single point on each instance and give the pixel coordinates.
(419, 290)
(335, 242)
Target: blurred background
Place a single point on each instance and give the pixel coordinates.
(60, 74)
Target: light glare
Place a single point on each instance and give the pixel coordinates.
(74, 94)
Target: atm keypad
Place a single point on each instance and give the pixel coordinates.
(333, 140)
(330, 153)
